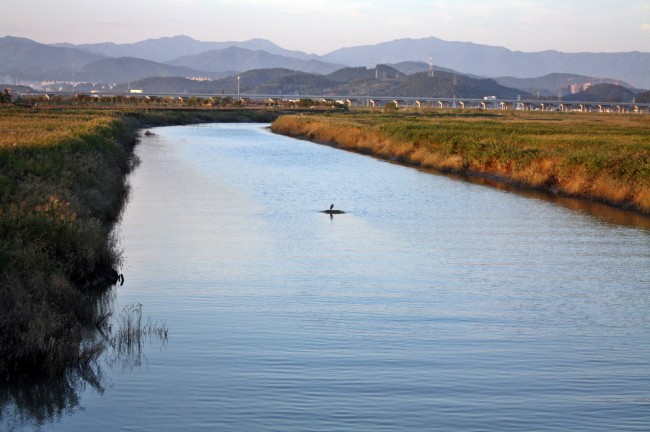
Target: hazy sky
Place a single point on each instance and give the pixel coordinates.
(320, 26)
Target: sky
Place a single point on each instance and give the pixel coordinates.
(321, 26)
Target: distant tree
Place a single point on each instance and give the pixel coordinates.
(340, 106)
(306, 103)
(193, 101)
(643, 97)
(390, 106)
(5, 97)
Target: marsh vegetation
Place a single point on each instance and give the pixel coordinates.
(122, 338)
(599, 157)
(62, 187)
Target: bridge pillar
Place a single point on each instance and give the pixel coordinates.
(502, 104)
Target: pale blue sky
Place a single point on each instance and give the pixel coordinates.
(320, 26)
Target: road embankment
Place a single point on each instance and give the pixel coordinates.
(603, 158)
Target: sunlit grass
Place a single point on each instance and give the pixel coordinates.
(598, 156)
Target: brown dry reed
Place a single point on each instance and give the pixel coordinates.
(601, 157)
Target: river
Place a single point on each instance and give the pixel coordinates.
(433, 303)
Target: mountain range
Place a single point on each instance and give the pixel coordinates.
(24, 60)
(490, 61)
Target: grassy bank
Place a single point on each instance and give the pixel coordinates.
(597, 157)
(62, 187)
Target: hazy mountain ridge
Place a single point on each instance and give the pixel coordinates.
(24, 59)
(490, 61)
(166, 49)
(27, 59)
(242, 59)
(123, 69)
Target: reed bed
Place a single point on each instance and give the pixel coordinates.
(600, 157)
(62, 185)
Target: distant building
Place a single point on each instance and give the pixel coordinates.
(135, 91)
(579, 87)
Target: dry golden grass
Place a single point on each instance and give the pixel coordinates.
(45, 128)
(599, 157)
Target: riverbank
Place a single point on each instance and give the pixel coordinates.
(597, 157)
(62, 188)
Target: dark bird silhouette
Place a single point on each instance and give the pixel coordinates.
(332, 206)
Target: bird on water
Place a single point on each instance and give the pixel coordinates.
(332, 206)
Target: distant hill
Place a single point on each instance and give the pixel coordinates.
(168, 48)
(298, 84)
(413, 67)
(445, 84)
(256, 77)
(380, 81)
(553, 84)
(248, 82)
(490, 61)
(362, 73)
(234, 58)
(344, 75)
(123, 69)
(26, 59)
(603, 93)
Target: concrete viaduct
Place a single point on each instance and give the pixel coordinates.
(487, 103)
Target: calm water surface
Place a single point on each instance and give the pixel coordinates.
(432, 304)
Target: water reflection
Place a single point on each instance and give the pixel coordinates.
(38, 403)
(600, 211)
(122, 339)
(431, 302)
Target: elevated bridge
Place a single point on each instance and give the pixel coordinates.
(487, 103)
